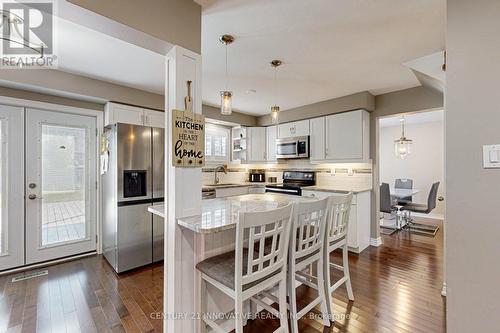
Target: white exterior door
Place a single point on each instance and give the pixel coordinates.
(60, 185)
(11, 187)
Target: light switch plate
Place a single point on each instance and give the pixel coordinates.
(491, 156)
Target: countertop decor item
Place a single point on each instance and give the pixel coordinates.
(226, 95)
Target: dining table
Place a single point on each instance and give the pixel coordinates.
(401, 193)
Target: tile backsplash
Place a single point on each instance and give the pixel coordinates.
(353, 176)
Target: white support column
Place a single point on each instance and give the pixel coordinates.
(182, 198)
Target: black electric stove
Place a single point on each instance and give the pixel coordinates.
(293, 181)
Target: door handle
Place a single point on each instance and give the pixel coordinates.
(33, 197)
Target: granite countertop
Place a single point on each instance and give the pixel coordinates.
(332, 189)
(223, 213)
(229, 185)
(157, 210)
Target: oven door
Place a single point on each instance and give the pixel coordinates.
(287, 148)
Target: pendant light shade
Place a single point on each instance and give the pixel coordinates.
(226, 96)
(275, 110)
(402, 146)
(225, 102)
(275, 114)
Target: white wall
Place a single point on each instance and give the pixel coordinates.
(425, 164)
(472, 228)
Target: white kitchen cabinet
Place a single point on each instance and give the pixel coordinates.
(126, 114)
(256, 144)
(296, 128)
(358, 233)
(154, 118)
(271, 135)
(230, 191)
(348, 136)
(317, 139)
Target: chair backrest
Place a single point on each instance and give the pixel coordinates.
(308, 228)
(385, 198)
(431, 200)
(339, 209)
(271, 226)
(404, 183)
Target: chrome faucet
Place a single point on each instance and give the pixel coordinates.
(220, 168)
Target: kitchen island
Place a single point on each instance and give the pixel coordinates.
(211, 233)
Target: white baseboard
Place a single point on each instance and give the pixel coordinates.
(376, 241)
(443, 290)
(429, 216)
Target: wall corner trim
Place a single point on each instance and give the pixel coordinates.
(376, 241)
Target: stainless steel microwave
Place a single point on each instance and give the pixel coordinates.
(295, 147)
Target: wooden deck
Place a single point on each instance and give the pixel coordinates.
(63, 221)
(396, 288)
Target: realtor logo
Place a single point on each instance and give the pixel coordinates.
(27, 34)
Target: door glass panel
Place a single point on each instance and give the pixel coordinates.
(63, 190)
(287, 148)
(3, 188)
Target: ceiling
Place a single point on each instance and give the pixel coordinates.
(86, 52)
(330, 48)
(413, 119)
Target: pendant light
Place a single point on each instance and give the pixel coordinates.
(226, 96)
(275, 110)
(402, 146)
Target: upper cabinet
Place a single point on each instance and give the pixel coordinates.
(126, 114)
(348, 136)
(271, 135)
(256, 138)
(296, 128)
(317, 139)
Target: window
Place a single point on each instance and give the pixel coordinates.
(216, 143)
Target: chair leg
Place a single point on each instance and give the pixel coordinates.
(322, 293)
(282, 304)
(345, 263)
(238, 312)
(327, 284)
(292, 298)
(203, 307)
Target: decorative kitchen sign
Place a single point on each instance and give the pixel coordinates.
(188, 136)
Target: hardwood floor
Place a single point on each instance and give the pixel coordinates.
(396, 288)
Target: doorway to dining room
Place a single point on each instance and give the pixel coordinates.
(411, 172)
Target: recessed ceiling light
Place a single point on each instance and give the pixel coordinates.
(251, 91)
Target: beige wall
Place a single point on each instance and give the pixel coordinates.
(174, 21)
(473, 193)
(363, 100)
(33, 96)
(425, 165)
(54, 82)
(236, 117)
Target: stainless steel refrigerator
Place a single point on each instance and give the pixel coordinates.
(132, 180)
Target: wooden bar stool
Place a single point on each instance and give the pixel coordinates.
(306, 249)
(307, 240)
(336, 238)
(249, 271)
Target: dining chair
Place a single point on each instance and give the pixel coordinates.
(424, 209)
(251, 268)
(404, 184)
(339, 209)
(387, 206)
